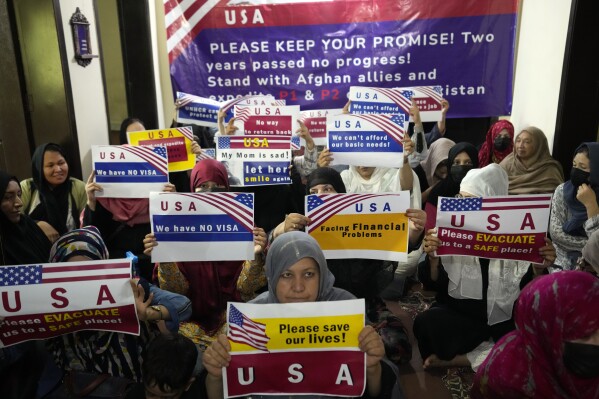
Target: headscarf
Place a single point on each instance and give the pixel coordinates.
(464, 272)
(325, 175)
(437, 153)
(575, 224)
(541, 174)
(590, 251)
(287, 250)
(86, 241)
(209, 170)
(487, 153)
(528, 362)
(23, 242)
(382, 180)
(489, 181)
(55, 202)
(448, 187)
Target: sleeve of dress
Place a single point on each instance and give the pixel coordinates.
(171, 279)
(179, 306)
(306, 164)
(559, 216)
(25, 194)
(79, 194)
(591, 225)
(251, 279)
(390, 388)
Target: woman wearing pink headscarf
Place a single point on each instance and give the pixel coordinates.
(554, 351)
(499, 143)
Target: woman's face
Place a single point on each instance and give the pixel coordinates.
(323, 189)
(440, 172)
(504, 133)
(209, 186)
(11, 202)
(582, 162)
(524, 146)
(299, 283)
(365, 171)
(592, 339)
(56, 169)
(462, 159)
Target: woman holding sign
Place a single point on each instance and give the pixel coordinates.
(475, 295)
(297, 272)
(575, 207)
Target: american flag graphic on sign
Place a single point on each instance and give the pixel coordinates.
(494, 203)
(295, 143)
(61, 273)
(242, 113)
(155, 156)
(244, 330)
(320, 207)
(207, 153)
(239, 206)
(254, 142)
(183, 99)
(396, 97)
(434, 92)
(390, 124)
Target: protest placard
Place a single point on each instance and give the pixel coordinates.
(505, 227)
(126, 171)
(267, 120)
(316, 122)
(41, 301)
(366, 140)
(197, 110)
(371, 226)
(202, 226)
(177, 142)
(308, 348)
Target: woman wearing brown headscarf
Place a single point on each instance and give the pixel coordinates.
(530, 168)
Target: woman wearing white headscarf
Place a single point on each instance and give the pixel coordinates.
(297, 271)
(475, 295)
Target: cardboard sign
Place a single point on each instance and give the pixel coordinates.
(177, 142)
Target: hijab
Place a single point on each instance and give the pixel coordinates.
(86, 241)
(287, 250)
(325, 175)
(209, 170)
(211, 284)
(489, 181)
(448, 187)
(541, 173)
(528, 362)
(578, 212)
(488, 153)
(55, 202)
(23, 242)
(123, 130)
(437, 153)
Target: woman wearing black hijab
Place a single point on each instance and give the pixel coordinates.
(51, 197)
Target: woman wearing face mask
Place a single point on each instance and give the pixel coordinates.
(461, 158)
(499, 143)
(575, 207)
(554, 351)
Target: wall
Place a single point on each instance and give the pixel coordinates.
(89, 100)
(541, 47)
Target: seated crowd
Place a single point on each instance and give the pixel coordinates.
(527, 329)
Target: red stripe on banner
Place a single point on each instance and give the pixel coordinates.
(396, 97)
(186, 132)
(275, 143)
(17, 329)
(234, 209)
(171, 4)
(431, 93)
(324, 212)
(385, 124)
(149, 156)
(505, 208)
(312, 373)
(517, 199)
(183, 19)
(85, 278)
(56, 269)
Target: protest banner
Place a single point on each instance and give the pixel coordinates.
(126, 171)
(228, 107)
(371, 226)
(378, 100)
(222, 50)
(366, 140)
(269, 120)
(197, 110)
(505, 227)
(41, 301)
(316, 122)
(202, 226)
(255, 160)
(176, 140)
(308, 348)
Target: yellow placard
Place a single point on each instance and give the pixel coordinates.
(178, 146)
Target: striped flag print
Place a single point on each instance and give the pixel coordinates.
(155, 156)
(396, 97)
(495, 203)
(390, 124)
(320, 207)
(240, 206)
(244, 330)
